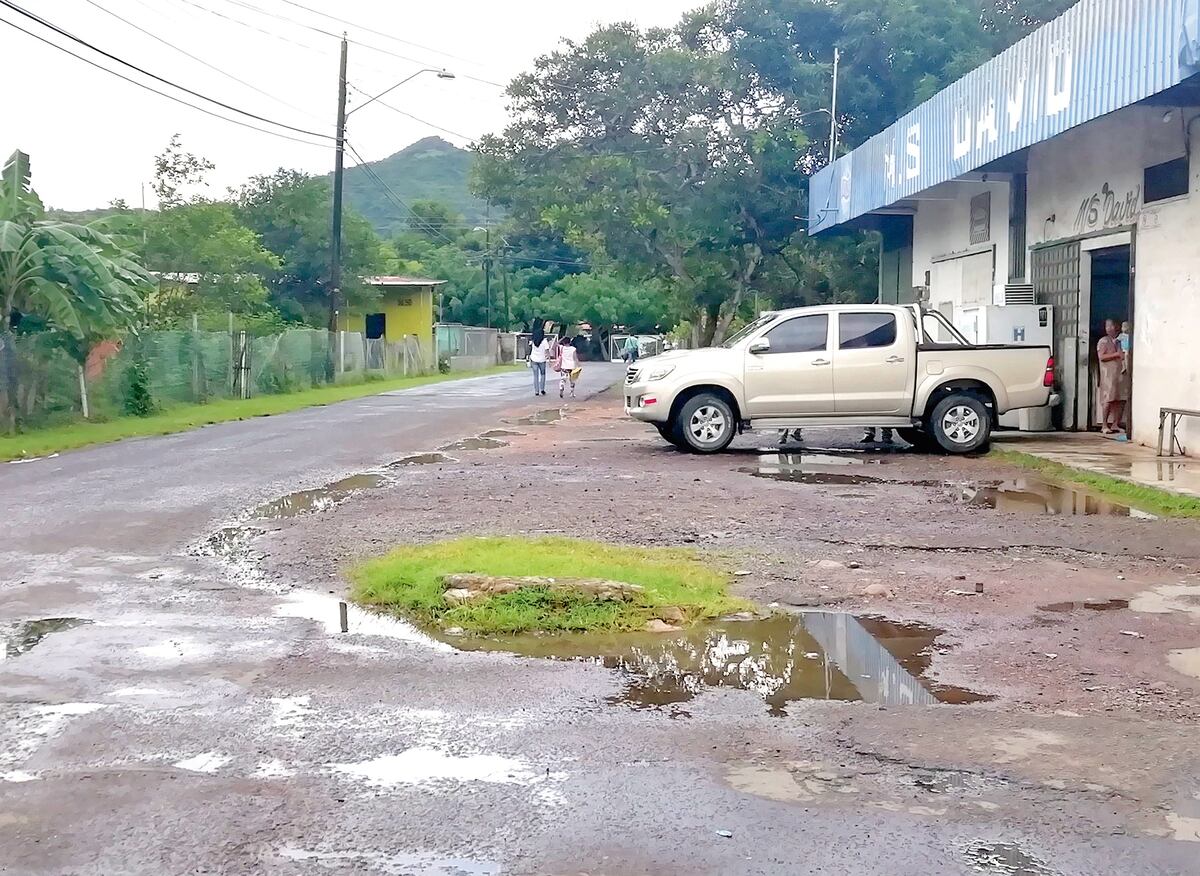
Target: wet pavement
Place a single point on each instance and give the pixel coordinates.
(1095, 453)
(213, 717)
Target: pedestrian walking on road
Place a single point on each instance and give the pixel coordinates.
(539, 355)
(870, 436)
(568, 367)
(631, 350)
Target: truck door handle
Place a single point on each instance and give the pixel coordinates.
(892, 360)
(820, 361)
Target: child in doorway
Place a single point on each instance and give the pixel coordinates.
(1124, 341)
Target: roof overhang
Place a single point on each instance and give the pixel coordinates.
(1098, 57)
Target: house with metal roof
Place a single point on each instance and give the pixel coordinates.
(1060, 173)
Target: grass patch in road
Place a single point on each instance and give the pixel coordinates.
(408, 581)
(1162, 503)
(181, 418)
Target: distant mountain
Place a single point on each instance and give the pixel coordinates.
(430, 169)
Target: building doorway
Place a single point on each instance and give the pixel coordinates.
(1110, 297)
(376, 326)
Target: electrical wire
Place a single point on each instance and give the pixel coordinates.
(387, 190)
(379, 33)
(171, 97)
(198, 60)
(33, 17)
(424, 63)
(409, 115)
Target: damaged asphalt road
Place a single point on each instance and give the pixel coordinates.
(181, 699)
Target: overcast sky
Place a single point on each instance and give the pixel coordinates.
(93, 137)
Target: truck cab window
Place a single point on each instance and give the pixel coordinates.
(861, 331)
(804, 334)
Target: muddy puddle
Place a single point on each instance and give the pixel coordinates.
(817, 468)
(1087, 605)
(477, 443)
(422, 459)
(21, 637)
(319, 499)
(501, 433)
(541, 418)
(1035, 496)
(782, 659)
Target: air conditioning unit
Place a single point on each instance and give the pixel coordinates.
(1018, 293)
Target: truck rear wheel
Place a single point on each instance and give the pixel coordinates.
(961, 423)
(705, 424)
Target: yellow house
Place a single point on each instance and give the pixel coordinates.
(405, 307)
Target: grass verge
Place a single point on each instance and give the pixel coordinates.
(1155, 501)
(408, 581)
(180, 418)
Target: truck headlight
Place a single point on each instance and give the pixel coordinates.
(660, 373)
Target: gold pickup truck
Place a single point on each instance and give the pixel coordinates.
(874, 365)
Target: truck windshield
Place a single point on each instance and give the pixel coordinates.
(739, 336)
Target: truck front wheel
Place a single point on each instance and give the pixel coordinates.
(960, 423)
(706, 423)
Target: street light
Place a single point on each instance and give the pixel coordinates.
(335, 255)
(441, 74)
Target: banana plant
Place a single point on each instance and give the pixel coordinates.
(75, 279)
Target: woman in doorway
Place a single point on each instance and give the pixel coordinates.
(1112, 381)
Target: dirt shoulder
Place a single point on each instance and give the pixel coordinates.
(1085, 701)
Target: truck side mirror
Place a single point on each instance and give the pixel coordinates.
(762, 345)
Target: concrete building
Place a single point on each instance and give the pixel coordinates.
(404, 310)
(1062, 172)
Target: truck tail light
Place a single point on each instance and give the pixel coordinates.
(1048, 378)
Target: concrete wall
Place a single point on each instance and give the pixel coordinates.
(1090, 178)
(942, 227)
(1166, 331)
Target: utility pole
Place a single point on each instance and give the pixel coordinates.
(837, 57)
(487, 261)
(504, 279)
(339, 167)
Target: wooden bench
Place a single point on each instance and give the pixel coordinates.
(1175, 415)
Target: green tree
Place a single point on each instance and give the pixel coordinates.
(72, 281)
(290, 212)
(605, 300)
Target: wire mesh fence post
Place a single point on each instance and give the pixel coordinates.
(197, 385)
(83, 395)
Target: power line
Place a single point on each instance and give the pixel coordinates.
(144, 72)
(387, 190)
(198, 60)
(172, 97)
(275, 15)
(411, 116)
(380, 33)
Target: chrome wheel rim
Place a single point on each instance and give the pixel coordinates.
(961, 424)
(708, 424)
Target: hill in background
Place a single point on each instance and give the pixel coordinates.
(430, 169)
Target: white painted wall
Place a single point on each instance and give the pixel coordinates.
(1090, 178)
(942, 226)
(1166, 331)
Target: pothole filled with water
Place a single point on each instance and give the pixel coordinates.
(501, 433)
(1004, 859)
(477, 443)
(1087, 605)
(319, 499)
(541, 418)
(422, 459)
(26, 635)
(1035, 496)
(816, 468)
(783, 658)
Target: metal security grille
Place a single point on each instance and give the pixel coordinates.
(1055, 275)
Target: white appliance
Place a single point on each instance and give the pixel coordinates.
(1022, 324)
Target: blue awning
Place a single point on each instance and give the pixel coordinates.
(1099, 56)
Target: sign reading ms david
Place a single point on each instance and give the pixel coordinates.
(1099, 56)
